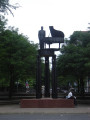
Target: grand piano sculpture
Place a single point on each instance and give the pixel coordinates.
(57, 37)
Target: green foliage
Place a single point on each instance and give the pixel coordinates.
(17, 56)
(3, 22)
(80, 38)
(65, 80)
(5, 6)
(75, 57)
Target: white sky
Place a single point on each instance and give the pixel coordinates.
(65, 15)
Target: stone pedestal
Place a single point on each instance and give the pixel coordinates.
(47, 103)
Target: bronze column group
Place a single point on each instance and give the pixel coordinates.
(47, 78)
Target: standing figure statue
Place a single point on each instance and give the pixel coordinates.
(41, 36)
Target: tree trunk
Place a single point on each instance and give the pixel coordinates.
(81, 86)
(78, 87)
(11, 81)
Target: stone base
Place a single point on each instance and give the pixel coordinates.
(47, 103)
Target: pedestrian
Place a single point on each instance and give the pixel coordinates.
(27, 87)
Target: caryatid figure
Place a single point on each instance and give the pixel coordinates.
(41, 36)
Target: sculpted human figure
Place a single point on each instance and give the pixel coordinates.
(41, 36)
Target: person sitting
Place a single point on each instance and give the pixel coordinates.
(71, 96)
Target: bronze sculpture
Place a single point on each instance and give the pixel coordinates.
(56, 33)
(57, 37)
(41, 36)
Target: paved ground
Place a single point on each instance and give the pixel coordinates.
(45, 117)
(15, 109)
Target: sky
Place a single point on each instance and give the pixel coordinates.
(65, 15)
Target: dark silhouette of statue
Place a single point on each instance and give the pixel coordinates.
(41, 35)
(56, 33)
(57, 37)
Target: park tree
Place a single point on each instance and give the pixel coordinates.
(75, 59)
(3, 23)
(5, 6)
(17, 57)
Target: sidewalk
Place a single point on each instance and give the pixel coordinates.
(15, 109)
